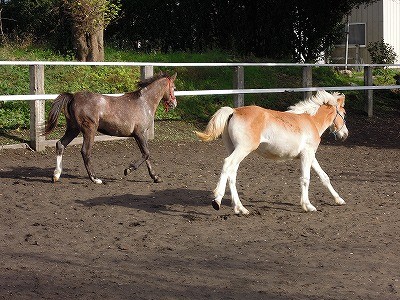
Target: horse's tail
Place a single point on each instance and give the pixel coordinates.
(61, 103)
(216, 125)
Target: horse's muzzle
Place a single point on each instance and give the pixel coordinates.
(342, 134)
(172, 104)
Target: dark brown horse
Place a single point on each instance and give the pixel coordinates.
(129, 115)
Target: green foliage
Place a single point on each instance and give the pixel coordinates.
(259, 28)
(14, 114)
(34, 21)
(384, 76)
(381, 52)
(291, 29)
(115, 80)
(89, 15)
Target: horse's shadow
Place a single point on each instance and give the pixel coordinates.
(282, 206)
(45, 175)
(36, 174)
(179, 201)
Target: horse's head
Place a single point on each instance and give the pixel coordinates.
(169, 99)
(338, 127)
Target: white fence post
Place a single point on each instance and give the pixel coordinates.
(369, 94)
(307, 81)
(147, 72)
(37, 108)
(238, 83)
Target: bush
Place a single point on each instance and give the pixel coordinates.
(381, 52)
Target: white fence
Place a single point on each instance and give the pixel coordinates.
(38, 97)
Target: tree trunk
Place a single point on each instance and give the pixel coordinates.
(89, 46)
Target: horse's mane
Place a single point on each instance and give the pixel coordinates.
(145, 82)
(311, 105)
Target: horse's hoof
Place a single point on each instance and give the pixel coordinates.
(309, 208)
(56, 176)
(340, 201)
(97, 181)
(241, 211)
(127, 171)
(215, 205)
(54, 179)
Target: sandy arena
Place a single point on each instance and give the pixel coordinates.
(131, 238)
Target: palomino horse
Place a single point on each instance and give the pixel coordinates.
(129, 115)
(295, 133)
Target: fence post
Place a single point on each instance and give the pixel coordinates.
(147, 72)
(307, 81)
(238, 83)
(369, 94)
(37, 108)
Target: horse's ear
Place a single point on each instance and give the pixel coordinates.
(173, 77)
(341, 99)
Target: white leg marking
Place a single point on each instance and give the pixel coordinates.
(221, 186)
(238, 207)
(97, 180)
(306, 160)
(326, 182)
(58, 170)
(229, 170)
(305, 201)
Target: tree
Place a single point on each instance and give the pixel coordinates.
(296, 29)
(89, 19)
(38, 21)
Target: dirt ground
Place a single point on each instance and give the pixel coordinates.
(133, 239)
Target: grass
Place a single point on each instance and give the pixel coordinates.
(14, 115)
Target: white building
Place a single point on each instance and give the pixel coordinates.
(380, 20)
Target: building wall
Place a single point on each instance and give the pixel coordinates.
(391, 26)
(382, 20)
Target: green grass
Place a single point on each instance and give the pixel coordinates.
(15, 80)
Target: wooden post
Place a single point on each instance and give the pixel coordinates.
(238, 83)
(37, 108)
(369, 94)
(307, 81)
(147, 72)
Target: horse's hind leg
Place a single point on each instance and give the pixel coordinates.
(86, 151)
(326, 182)
(229, 172)
(69, 135)
(144, 149)
(152, 174)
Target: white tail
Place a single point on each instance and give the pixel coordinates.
(216, 125)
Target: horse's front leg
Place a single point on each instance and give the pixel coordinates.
(306, 160)
(144, 149)
(326, 182)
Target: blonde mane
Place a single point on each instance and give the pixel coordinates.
(310, 106)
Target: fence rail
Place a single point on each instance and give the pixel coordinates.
(37, 97)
